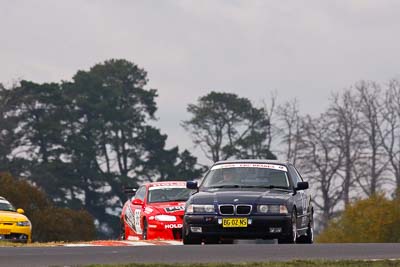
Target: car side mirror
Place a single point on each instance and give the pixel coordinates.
(192, 185)
(137, 201)
(20, 211)
(302, 186)
(129, 190)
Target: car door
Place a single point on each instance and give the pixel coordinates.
(306, 201)
(137, 210)
(300, 199)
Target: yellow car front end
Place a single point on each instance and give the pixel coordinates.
(14, 226)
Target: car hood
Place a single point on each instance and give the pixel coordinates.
(172, 208)
(241, 196)
(9, 216)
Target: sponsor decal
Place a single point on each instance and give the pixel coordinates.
(130, 218)
(167, 186)
(173, 226)
(148, 210)
(173, 209)
(137, 221)
(250, 165)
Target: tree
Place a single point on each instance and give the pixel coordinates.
(82, 141)
(32, 111)
(320, 161)
(344, 113)
(7, 135)
(375, 163)
(390, 134)
(224, 125)
(289, 116)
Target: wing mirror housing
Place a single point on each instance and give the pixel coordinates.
(192, 185)
(302, 186)
(129, 190)
(137, 201)
(20, 211)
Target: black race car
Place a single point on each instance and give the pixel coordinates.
(249, 199)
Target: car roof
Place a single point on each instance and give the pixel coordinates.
(166, 183)
(4, 200)
(258, 161)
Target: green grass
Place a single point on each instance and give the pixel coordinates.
(294, 263)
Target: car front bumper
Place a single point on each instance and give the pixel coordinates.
(259, 227)
(164, 230)
(18, 234)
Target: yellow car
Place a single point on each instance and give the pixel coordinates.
(14, 226)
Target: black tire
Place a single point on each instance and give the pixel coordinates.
(188, 239)
(211, 240)
(144, 233)
(292, 237)
(122, 231)
(309, 238)
(227, 241)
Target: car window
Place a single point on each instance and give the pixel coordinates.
(295, 175)
(298, 174)
(140, 194)
(263, 175)
(6, 206)
(168, 194)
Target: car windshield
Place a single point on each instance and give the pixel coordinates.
(168, 194)
(245, 175)
(6, 206)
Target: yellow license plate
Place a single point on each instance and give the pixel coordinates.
(5, 231)
(234, 222)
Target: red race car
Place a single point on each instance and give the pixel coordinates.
(155, 212)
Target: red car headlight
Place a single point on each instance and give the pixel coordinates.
(165, 218)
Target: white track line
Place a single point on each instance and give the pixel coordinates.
(126, 243)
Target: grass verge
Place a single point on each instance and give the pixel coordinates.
(294, 263)
(35, 244)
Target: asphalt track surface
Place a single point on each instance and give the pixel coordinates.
(73, 256)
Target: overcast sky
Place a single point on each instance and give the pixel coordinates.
(300, 49)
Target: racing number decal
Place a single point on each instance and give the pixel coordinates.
(138, 227)
(133, 219)
(129, 218)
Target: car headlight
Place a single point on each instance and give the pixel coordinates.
(282, 209)
(195, 208)
(24, 223)
(165, 218)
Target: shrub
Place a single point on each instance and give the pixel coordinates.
(375, 219)
(49, 223)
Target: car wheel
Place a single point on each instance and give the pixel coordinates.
(227, 241)
(292, 237)
(211, 240)
(309, 237)
(188, 239)
(144, 233)
(122, 231)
